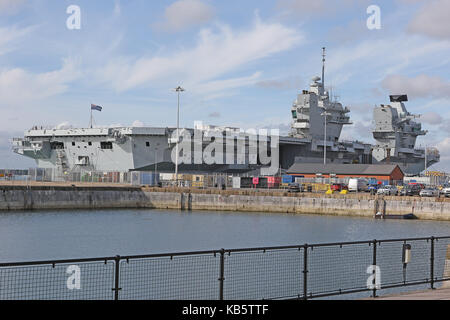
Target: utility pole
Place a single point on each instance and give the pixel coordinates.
(325, 113)
(178, 89)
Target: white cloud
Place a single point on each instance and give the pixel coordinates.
(214, 55)
(138, 123)
(431, 118)
(444, 150)
(361, 108)
(306, 8)
(214, 115)
(410, 1)
(9, 37)
(10, 6)
(361, 130)
(184, 14)
(64, 125)
(18, 86)
(117, 8)
(419, 86)
(376, 59)
(214, 89)
(432, 20)
(280, 84)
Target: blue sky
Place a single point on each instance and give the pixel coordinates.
(241, 63)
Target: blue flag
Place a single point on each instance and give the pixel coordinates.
(95, 107)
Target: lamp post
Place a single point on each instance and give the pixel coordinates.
(325, 114)
(425, 173)
(178, 89)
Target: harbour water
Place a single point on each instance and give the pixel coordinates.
(40, 235)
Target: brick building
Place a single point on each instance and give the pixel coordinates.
(387, 172)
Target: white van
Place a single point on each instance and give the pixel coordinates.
(358, 185)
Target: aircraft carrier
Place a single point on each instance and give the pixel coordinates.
(317, 122)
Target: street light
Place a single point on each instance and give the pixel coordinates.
(178, 90)
(325, 114)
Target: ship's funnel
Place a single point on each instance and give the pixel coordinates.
(399, 98)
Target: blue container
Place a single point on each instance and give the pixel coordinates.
(145, 178)
(149, 178)
(287, 179)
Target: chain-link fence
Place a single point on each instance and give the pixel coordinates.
(291, 272)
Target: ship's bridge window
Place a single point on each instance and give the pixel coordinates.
(106, 145)
(294, 114)
(57, 145)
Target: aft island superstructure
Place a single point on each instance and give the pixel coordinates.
(395, 132)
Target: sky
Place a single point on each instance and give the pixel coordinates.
(241, 62)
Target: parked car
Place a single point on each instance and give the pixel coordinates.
(388, 190)
(358, 184)
(410, 190)
(446, 191)
(429, 192)
(294, 187)
(374, 186)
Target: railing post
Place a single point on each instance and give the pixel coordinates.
(374, 263)
(116, 288)
(432, 263)
(305, 271)
(221, 273)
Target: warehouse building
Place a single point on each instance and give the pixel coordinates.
(386, 172)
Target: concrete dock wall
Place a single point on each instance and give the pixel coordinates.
(363, 205)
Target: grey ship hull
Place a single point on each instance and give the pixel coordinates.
(150, 149)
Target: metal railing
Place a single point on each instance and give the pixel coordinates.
(290, 272)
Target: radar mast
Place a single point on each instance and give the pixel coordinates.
(323, 68)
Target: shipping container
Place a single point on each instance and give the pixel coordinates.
(287, 179)
(273, 182)
(299, 179)
(236, 182)
(167, 176)
(247, 182)
(262, 182)
(197, 181)
(149, 178)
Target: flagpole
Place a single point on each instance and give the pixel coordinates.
(91, 116)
